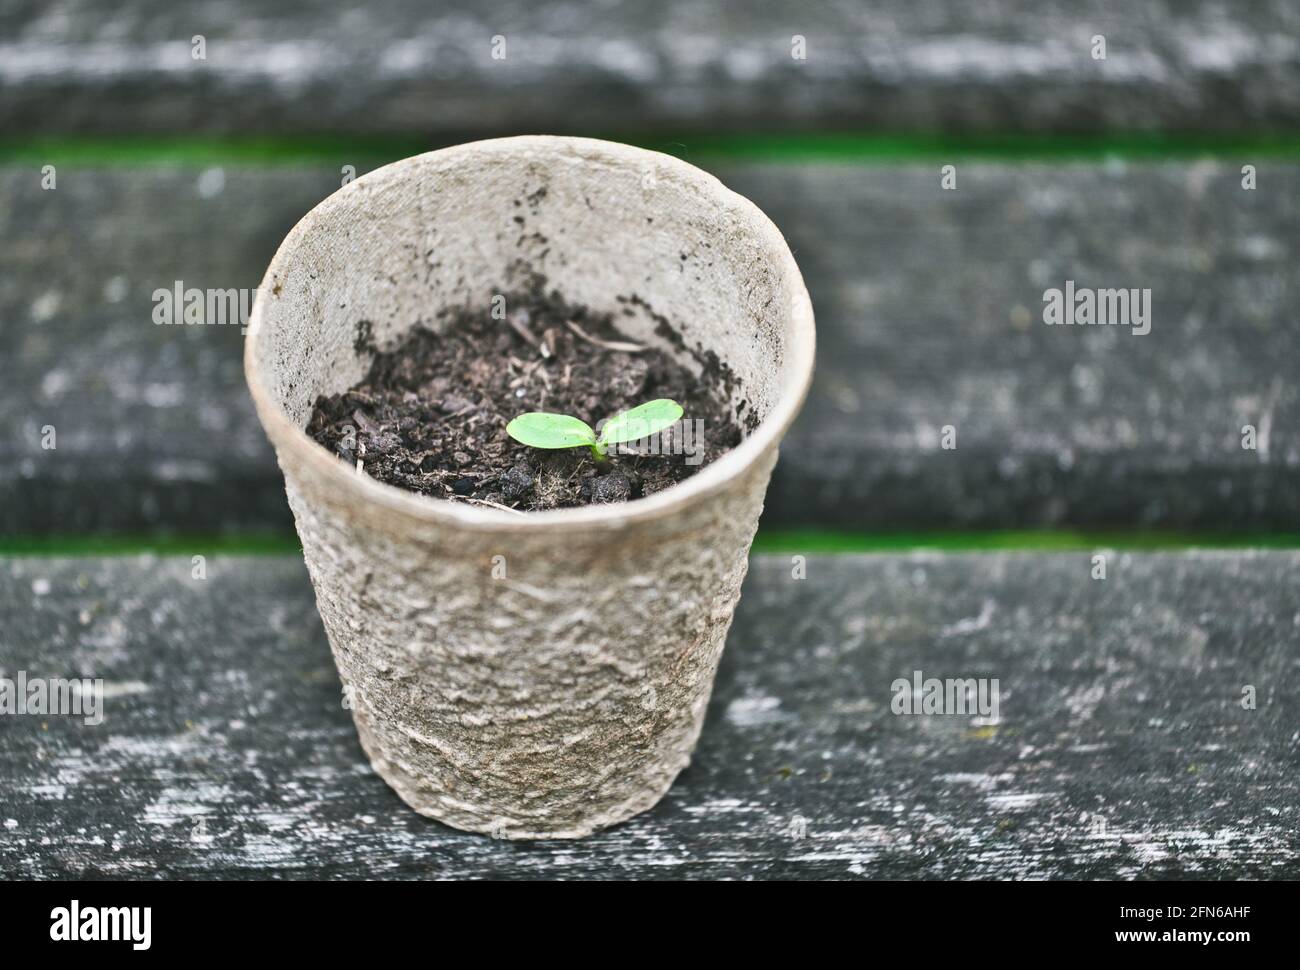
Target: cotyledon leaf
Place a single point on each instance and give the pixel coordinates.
(542, 430)
(641, 421)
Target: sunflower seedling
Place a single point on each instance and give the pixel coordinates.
(541, 429)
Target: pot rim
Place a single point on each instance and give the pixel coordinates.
(713, 478)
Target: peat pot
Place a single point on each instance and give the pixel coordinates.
(537, 675)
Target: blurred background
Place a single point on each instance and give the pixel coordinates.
(935, 165)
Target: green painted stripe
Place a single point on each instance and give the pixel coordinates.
(884, 147)
(269, 543)
(197, 152)
(1024, 540)
(775, 541)
(824, 147)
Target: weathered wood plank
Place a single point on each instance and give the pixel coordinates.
(923, 65)
(929, 308)
(1121, 747)
(930, 312)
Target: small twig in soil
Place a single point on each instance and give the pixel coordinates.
(465, 410)
(487, 502)
(624, 345)
(364, 422)
(519, 323)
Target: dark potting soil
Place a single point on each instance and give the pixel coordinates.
(430, 416)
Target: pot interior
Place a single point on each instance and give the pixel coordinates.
(684, 264)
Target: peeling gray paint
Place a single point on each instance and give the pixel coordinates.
(1120, 753)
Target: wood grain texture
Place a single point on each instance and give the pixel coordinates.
(921, 65)
(1122, 749)
(929, 312)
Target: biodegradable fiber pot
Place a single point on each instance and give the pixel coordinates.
(540, 675)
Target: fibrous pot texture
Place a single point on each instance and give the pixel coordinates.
(539, 675)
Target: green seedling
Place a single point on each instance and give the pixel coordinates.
(540, 429)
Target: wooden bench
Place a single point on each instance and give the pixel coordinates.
(1146, 721)
(1122, 747)
(929, 310)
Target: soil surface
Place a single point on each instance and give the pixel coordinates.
(430, 416)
